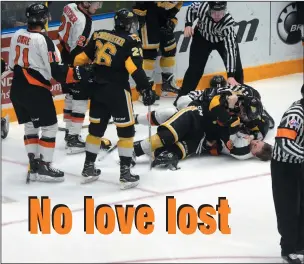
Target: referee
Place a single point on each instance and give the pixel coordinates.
(287, 176)
(214, 31)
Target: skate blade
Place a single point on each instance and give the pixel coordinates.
(173, 167)
(128, 185)
(46, 178)
(33, 176)
(89, 179)
(71, 151)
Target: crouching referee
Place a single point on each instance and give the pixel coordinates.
(287, 174)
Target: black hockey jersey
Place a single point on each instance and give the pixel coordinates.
(162, 10)
(116, 55)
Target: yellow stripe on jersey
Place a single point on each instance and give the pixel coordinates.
(130, 66)
(81, 59)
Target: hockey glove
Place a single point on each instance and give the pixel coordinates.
(84, 73)
(148, 97)
(170, 26)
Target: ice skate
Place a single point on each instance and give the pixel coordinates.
(74, 145)
(90, 173)
(46, 173)
(32, 168)
(169, 83)
(127, 179)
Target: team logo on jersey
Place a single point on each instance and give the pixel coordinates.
(288, 29)
(294, 123)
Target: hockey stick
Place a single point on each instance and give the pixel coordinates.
(150, 128)
(107, 152)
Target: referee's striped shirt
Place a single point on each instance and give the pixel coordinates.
(289, 141)
(214, 32)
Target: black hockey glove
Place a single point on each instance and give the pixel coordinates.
(84, 73)
(148, 97)
(169, 28)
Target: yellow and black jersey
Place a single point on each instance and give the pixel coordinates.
(116, 55)
(162, 10)
(218, 111)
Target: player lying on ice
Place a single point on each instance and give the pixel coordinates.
(212, 122)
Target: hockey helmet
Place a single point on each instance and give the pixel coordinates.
(252, 107)
(126, 20)
(37, 15)
(302, 90)
(218, 81)
(217, 10)
(218, 5)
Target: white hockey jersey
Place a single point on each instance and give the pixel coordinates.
(241, 146)
(33, 50)
(76, 28)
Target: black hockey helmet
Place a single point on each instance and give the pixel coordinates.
(37, 14)
(302, 90)
(126, 20)
(218, 5)
(218, 81)
(252, 107)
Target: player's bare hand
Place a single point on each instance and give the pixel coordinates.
(188, 32)
(232, 81)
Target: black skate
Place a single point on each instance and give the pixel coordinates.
(292, 258)
(32, 168)
(46, 173)
(127, 179)
(169, 84)
(66, 135)
(90, 173)
(166, 159)
(74, 144)
(133, 160)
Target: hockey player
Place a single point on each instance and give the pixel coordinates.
(34, 60)
(115, 53)
(75, 31)
(241, 147)
(4, 120)
(187, 133)
(157, 22)
(219, 81)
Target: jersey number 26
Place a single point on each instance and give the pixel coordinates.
(104, 53)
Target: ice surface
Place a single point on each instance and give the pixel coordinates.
(246, 185)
